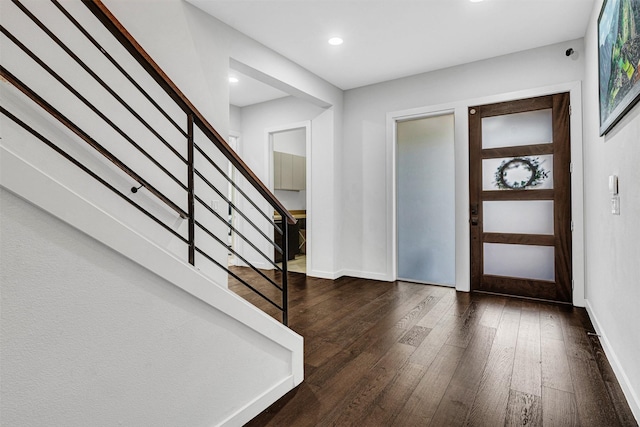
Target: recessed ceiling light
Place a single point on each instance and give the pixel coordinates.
(335, 41)
(233, 80)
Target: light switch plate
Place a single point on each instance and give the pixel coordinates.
(613, 185)
(615, 205)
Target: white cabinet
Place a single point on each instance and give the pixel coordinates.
(299, 172)
(289, 171)
(277, 170)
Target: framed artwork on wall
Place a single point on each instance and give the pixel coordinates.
(618, 60)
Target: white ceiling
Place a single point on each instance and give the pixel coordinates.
(248, 91)
(388, 39)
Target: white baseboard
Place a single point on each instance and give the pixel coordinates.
(383, 277)
(324, 274)
(626, 385)
(257, 405)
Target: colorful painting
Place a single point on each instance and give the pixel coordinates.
(619, 60)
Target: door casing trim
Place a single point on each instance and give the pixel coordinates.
(306, 125)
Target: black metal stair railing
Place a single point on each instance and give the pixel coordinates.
(183, 166)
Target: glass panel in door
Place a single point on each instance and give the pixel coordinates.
(527, 128)
(518, 216)
(518, 173)
(523, 261)
(426, 200)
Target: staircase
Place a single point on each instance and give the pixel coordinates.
(116, 193)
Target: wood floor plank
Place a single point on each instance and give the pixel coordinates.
(384, 330)
(614, 390)
(401, 302)
(465, 327)
(462, 301)
(558, 408)
(357, 403)
(490, 405)
(461, 391)
(493, 312)
(322, 314)
(576, 343)
(320, 352)
(524, 410)
(289, 407)
(433, 343)
(417, 312)
(527, 364)
(310, 410)
(388, 307)
(390, 402)
(550, 323)
(425, 398)
(415, 336)
(589, 388)
(375, 355)
(588, 385)
(555, 366)
(444, 306)
(331, 367)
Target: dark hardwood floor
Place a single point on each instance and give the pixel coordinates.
(401, 354)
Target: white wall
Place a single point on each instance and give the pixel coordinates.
(612, 242)
(178, 52)
(191, 51)
(91, 336)
(292, 200)
(292, 141)
(367, 218)
(235, 118)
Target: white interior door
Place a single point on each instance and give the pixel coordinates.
(425, 181)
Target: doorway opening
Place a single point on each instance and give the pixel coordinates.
(425, 199)
(260, 106)
(289, 147)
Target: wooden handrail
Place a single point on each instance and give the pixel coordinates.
(194, 120)
(133, 47)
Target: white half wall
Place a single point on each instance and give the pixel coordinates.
(102, 327)
(612, 241)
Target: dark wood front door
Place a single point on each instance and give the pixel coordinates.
(520, 198)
